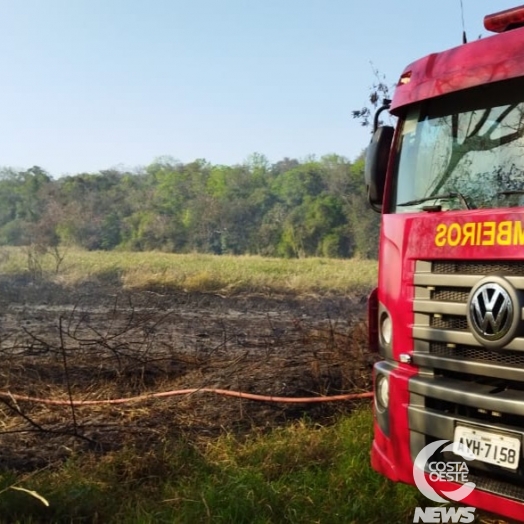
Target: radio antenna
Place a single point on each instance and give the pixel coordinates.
(464, 38)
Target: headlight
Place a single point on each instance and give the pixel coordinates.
(382, 391)
(386, 329)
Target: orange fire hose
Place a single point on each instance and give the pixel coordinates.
(225, 392)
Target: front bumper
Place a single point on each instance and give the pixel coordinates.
(412, 421)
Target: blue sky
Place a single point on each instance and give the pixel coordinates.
(92, 84)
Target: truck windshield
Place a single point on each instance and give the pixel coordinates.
(462, 151)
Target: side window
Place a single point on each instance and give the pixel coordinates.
(408, 156)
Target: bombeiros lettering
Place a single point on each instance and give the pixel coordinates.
(489, 233)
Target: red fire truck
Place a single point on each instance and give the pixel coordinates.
(447, 316)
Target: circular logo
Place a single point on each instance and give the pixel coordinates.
(493, 312)
(454, 471)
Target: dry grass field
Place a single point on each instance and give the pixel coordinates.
(113, 326)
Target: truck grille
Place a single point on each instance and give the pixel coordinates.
(460, 379)
(449, 294)
(440, 305)
(479, 267)
(464, 353)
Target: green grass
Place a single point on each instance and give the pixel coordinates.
(197, 272)
(302, 473)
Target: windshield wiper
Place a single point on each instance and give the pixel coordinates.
(511, 192)
(443, 196)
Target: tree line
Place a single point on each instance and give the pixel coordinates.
(292, 208)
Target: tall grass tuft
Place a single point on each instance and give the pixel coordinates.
(201, 273)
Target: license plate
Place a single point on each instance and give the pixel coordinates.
(493, 448)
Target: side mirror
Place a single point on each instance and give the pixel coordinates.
(377, 164)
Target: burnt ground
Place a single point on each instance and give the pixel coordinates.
(99, 342)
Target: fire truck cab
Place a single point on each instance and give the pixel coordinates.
(447, 316)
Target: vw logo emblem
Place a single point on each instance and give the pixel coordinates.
(491, 312)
